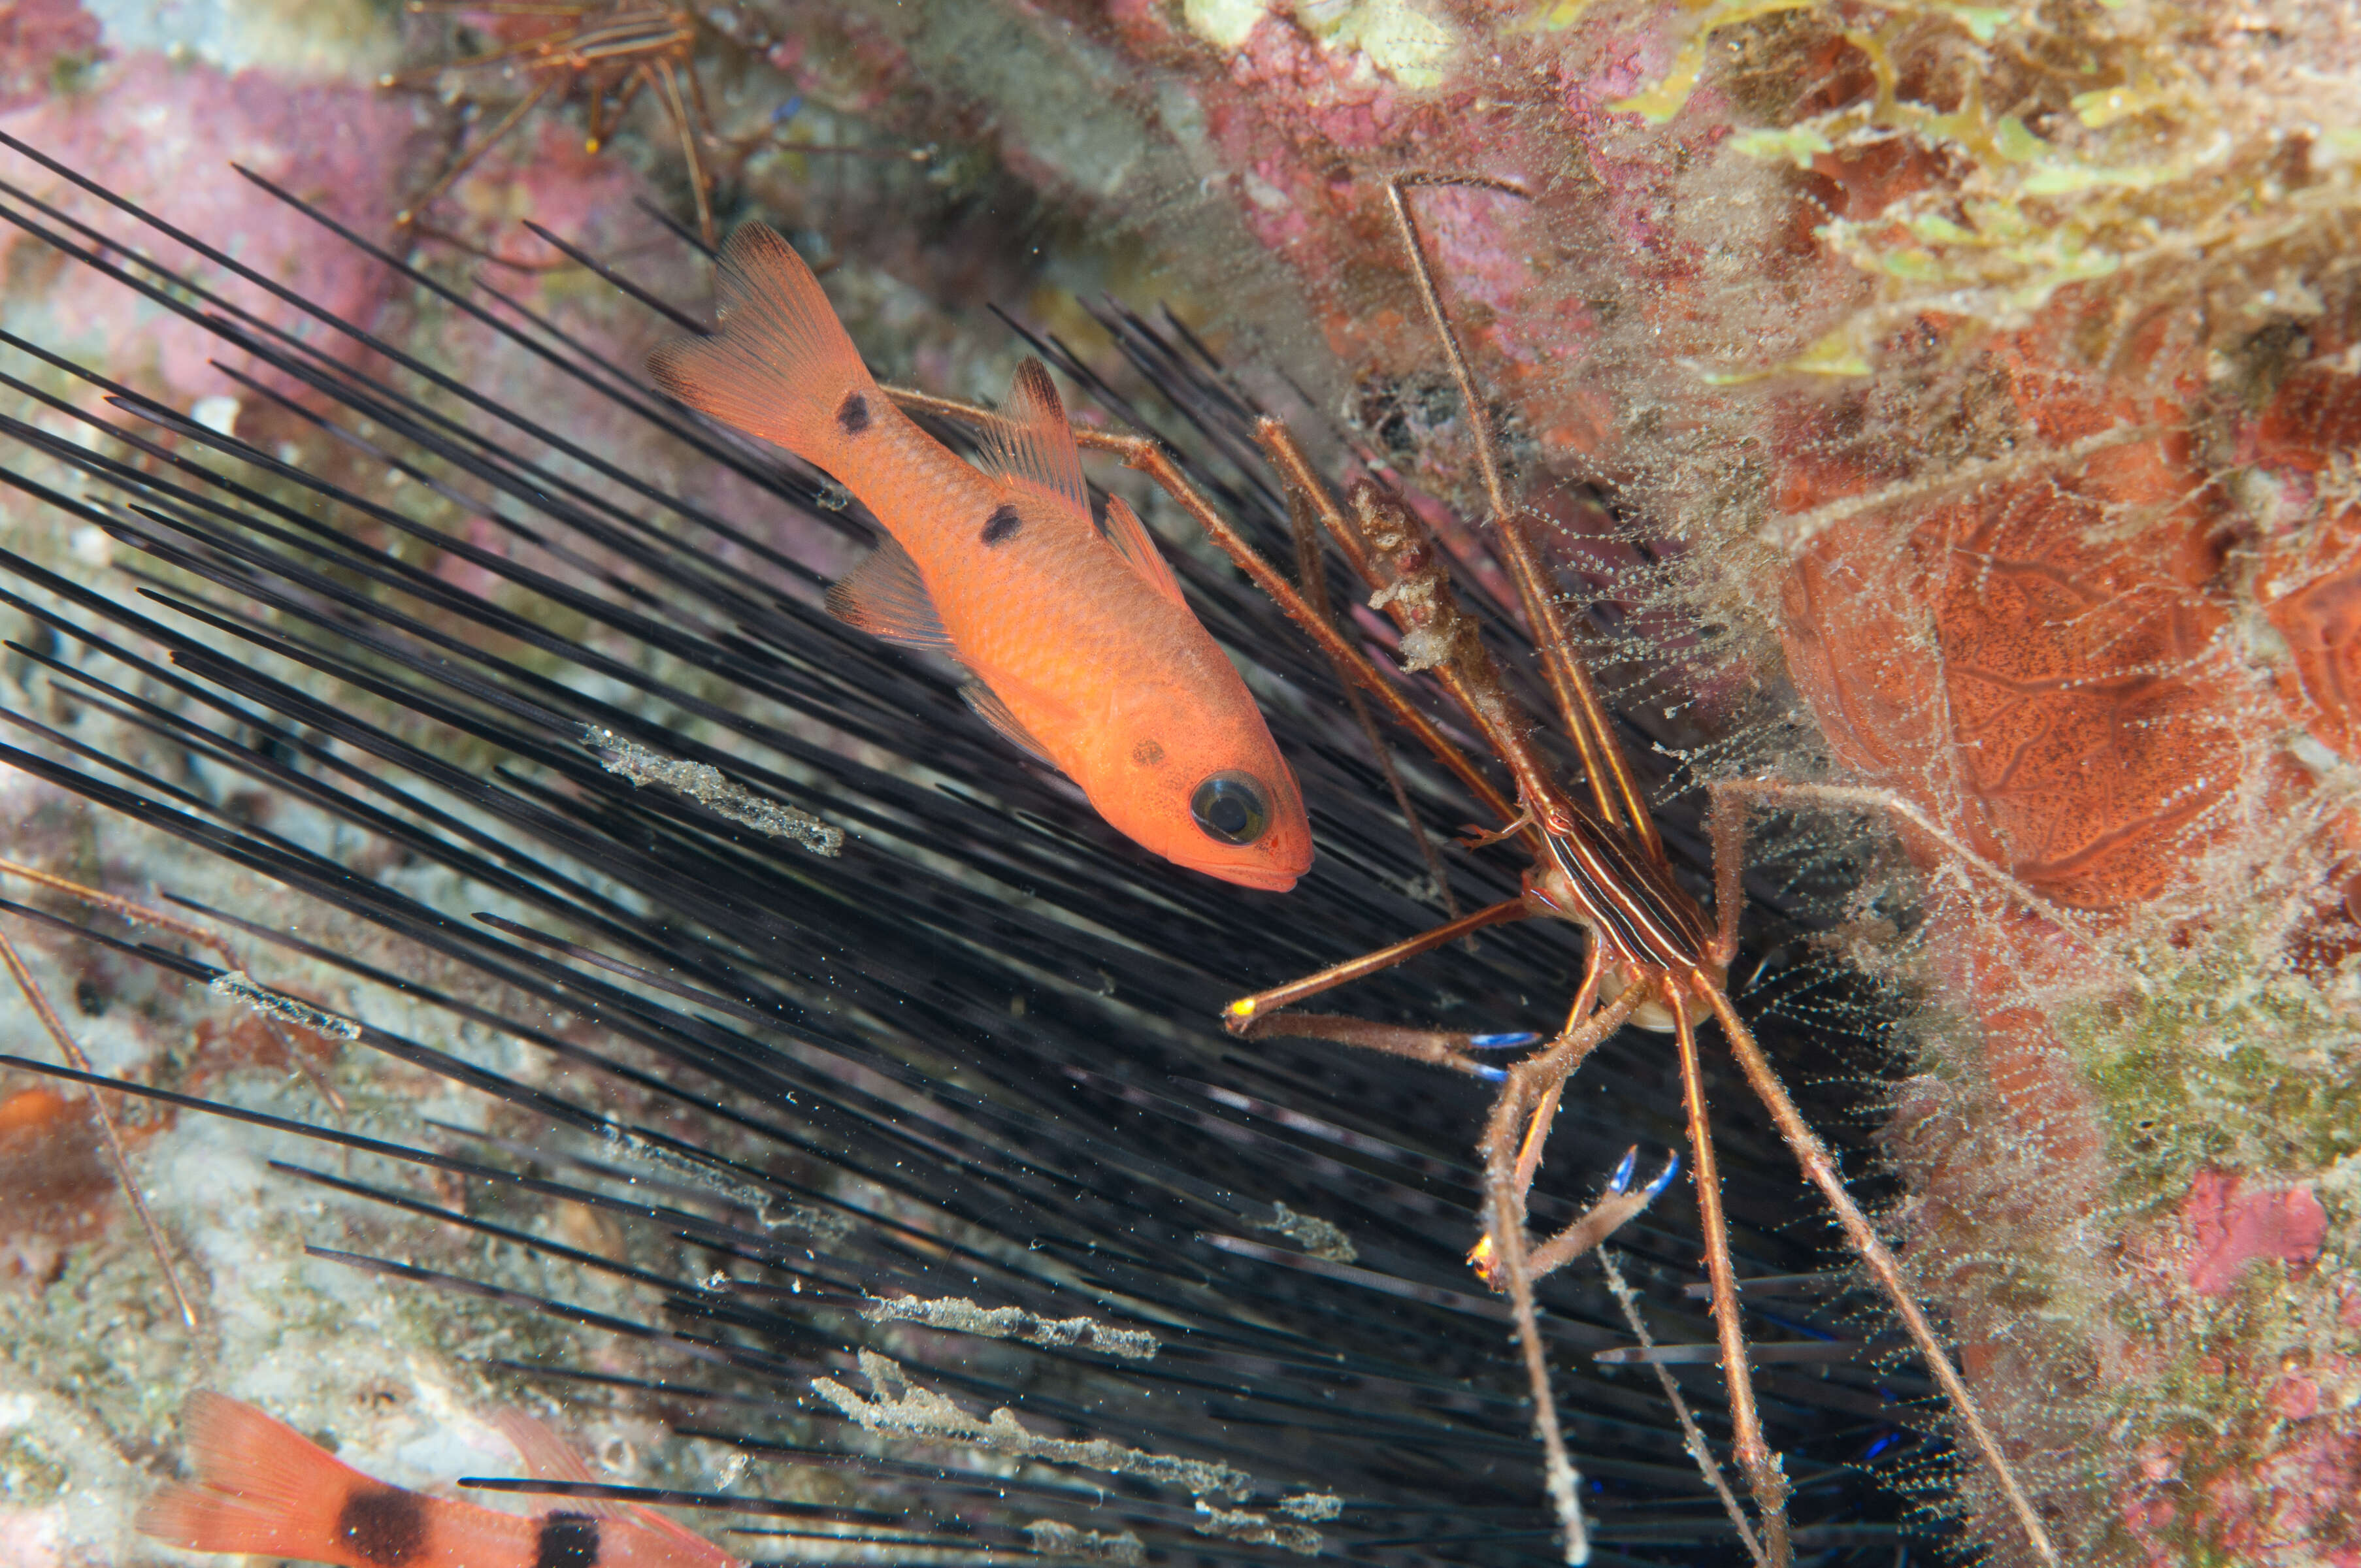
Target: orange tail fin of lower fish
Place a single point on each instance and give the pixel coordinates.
(785, 370)
(265, 1490)
(263, 1487)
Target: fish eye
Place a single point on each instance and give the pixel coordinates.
(1231, 808)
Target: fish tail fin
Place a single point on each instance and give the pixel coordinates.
(780, 366)
(262, 1488)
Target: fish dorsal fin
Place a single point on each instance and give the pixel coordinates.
(1130, 537)
(549, 1458)
(1032, 443)
(885, 596)
(994, 712)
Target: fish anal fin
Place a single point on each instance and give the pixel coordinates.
(1032, 443)
(885, 596)
(1131, 539)
(994, 712)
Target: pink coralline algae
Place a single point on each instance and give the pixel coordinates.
(1284, 163)
(164, 135)
(2264, 1516)
(543, 174)
(2232, 1226)
(2264, 1465)
(39, 38)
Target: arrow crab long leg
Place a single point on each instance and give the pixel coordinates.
(1610, 874)
(1601, 865)
(110, 1136)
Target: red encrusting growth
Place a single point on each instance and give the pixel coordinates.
(2011, 655)
(2070, 666)
(2232, 1226)
(54, 1189)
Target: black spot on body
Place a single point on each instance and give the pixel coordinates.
(568, 1540)
(383, 1526)
(852, 415)
(1147, 754)
(1001, 525)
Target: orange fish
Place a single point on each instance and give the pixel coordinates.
(1083, 652)
(265, 1490)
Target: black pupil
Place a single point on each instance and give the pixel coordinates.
(1230, 807)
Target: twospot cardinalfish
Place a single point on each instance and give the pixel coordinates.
(1083, 650)
(265, 1490)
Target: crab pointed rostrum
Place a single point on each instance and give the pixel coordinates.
(929, 1128)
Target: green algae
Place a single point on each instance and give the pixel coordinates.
(29, 1475)
(2210, 1065)
(2058, 145)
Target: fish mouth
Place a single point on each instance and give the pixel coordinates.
(1269, 879)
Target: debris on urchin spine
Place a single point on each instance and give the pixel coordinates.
(959, 1314)
(240, 987)
(711, 788)
(1315, 1235)
(823, 1223)
(1254, 1529)
(904, 1408)
(1054, 1538)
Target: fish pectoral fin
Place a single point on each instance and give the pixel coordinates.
(885, 596)
(1032, 443)
(1131, 538)
(994, 712)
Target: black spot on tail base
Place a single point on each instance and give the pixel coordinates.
(1001, 525)
(852, 415)
(384, 1526)
(567, 1540)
